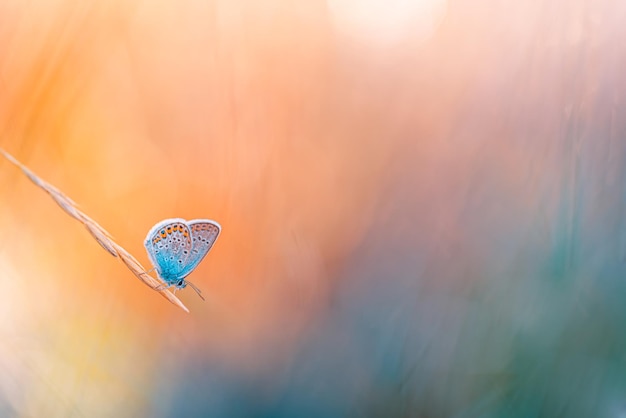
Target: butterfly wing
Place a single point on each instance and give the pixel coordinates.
(169, 247)
(204, 233)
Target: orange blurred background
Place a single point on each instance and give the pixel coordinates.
(380, 168)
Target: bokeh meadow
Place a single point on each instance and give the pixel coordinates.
(422, 206)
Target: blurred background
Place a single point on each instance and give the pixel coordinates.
(422, 205)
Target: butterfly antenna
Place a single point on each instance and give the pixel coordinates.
(198, 291)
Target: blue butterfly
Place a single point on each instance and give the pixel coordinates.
(176, 247)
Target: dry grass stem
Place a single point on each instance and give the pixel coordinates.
(98, 232)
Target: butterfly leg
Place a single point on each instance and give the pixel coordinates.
(162, 286)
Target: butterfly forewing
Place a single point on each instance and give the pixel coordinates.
(204, 233)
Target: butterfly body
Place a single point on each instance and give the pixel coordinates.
(176, 247)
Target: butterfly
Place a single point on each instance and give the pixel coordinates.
(176, 247)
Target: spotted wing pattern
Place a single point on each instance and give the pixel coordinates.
(169, 247)
(204, 233)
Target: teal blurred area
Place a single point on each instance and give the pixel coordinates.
(426, 222)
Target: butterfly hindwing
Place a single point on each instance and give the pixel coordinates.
(169, 247)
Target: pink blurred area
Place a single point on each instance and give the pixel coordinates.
(267, 118)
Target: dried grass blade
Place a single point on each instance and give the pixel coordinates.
(97, 232)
